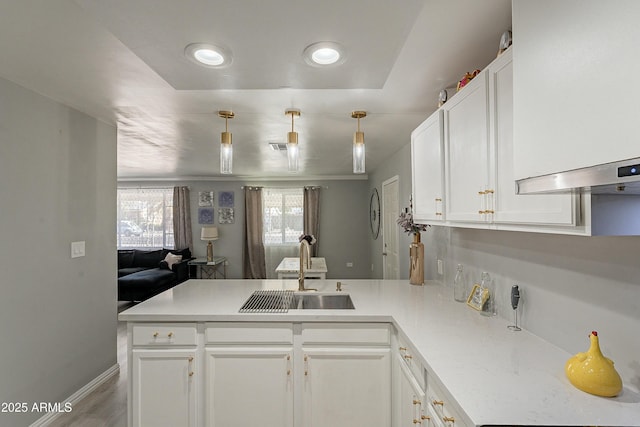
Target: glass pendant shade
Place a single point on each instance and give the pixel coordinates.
(358, 145)
(292, 151)
(226, 154)
(358, 152)
(226, 148)
(292, 142)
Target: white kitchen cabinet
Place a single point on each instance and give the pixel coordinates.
(466, 152)
(344, 387)
(410, 398)
(576, 103)
(309, 375)
(502, 204)
(164, 375)
(163, 388)
(249, 386)
(427, 161)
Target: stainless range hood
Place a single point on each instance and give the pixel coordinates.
(608, 178)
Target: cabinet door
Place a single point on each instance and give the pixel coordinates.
(249, 386)
(410, 401)
(427, 157)
(509, 207)
(346, 387)
(163, 388)
(466, 152)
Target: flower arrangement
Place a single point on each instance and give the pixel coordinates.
(405, 220)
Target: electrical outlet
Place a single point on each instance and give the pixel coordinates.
(440, 267)
(77, 249)
(349, 264)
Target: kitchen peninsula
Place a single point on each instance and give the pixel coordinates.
(464, 369)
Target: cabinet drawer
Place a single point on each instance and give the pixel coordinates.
(164, 334)
(442, 406)
(248, 333)
(410, 357)
(346, 333)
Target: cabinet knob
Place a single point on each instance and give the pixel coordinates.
(482, 212)
(402, 348)
(488, 211)
(191, 373)
(170, 334)
(416, 402)
(489, 192)
(448, 419)
(288, 357)
(155, 335)
(408, 356)
(481, 193)
(438, 199)
(190, 359)
(425, 417)
(439, 213)
(288, 372)
(417, 422)
(438, 402)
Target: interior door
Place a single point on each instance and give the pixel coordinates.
(390, 213)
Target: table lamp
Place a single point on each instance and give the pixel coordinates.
(210, 234)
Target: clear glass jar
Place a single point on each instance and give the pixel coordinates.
(459, 288)
(489, 306)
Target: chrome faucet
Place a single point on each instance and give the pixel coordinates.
(304, 248)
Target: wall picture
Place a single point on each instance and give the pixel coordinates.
(205, 198)
(225, 199)
(205, 215)
(225, 216)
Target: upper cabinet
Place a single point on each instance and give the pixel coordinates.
(575, 100)
(426, 169)
(506, 206)
(466, 152)
(479, 182)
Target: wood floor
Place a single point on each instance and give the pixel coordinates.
(106, 406)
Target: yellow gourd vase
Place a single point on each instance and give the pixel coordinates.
(593, 373)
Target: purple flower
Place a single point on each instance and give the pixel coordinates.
(405, 220)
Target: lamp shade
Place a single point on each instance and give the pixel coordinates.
(209, 233)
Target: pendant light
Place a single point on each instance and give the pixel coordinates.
(358, 144)
(226, 149)
(292, 142)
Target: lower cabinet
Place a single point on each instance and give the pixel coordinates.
(409, 400)
(249, 386)
(346, 387)
(164, 388)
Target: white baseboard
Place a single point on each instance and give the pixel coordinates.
(76, 397)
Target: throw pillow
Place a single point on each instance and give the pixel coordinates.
(172, 259)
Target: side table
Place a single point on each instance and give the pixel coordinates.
(208, 269)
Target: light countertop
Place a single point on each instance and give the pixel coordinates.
(292, 265)
(497, 376)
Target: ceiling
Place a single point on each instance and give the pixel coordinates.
(123, 61)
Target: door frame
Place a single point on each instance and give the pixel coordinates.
(395, 178)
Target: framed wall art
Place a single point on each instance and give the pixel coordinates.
(205, 198)
(225, 199)
(225, 216)
(205, 216)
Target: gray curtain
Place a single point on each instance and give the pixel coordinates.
(311, 209)
(253, 258)
(182, 235)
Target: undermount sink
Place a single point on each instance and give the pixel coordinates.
(322, 302)
(281, 301)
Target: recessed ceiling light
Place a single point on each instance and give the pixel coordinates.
(322, 54)
(208, 55)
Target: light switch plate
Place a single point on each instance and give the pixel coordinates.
(440, 267)
(77, 249)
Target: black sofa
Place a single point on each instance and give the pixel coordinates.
(143, 274)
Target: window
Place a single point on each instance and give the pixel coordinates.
(145, 218)
(282, 215)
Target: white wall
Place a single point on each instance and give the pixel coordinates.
(343, 223)
(570, 285)
(57, 314)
